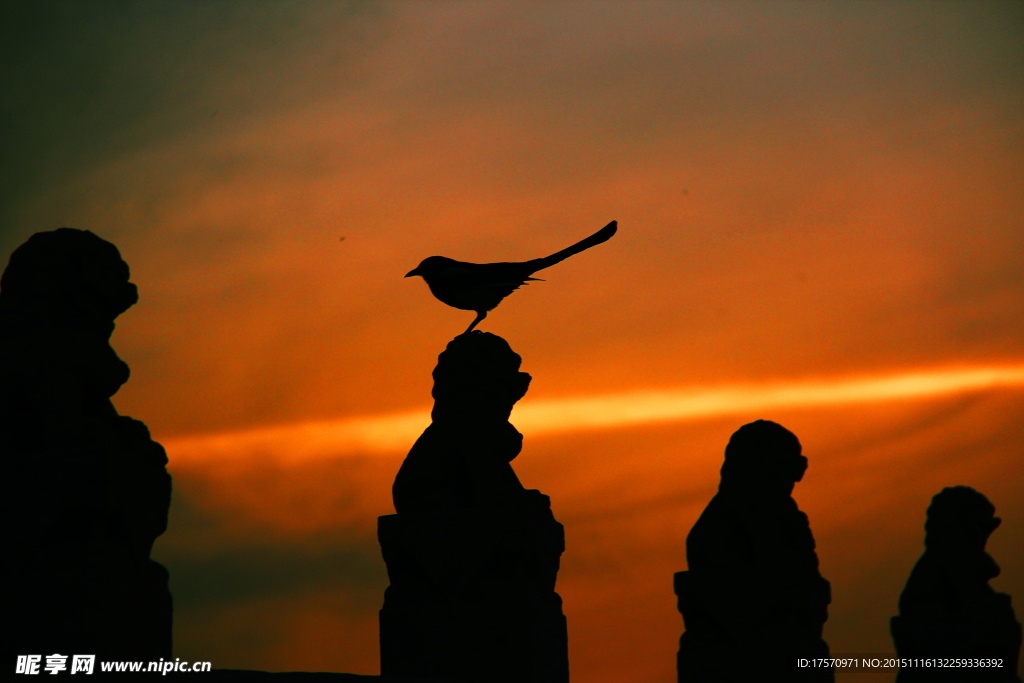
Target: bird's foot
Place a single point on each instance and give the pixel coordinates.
(479, 316)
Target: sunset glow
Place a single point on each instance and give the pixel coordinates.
(821, 223)
(397, 431)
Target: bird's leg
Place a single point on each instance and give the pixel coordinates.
(480, 315)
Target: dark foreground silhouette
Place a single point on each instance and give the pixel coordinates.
(86, 489)
(752, 600)
(480, 287)
(947, 609)
(472, 556)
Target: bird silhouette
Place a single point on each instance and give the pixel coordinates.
(481, 286)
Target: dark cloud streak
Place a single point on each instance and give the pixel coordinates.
(275, 569)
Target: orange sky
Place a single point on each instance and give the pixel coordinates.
(810, 195)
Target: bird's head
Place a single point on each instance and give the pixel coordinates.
(430, 266)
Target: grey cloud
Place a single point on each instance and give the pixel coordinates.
(84, 83)
(238, 574)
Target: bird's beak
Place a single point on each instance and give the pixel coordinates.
(414, 271)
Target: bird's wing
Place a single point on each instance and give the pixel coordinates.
(476, 286)
(492, 276)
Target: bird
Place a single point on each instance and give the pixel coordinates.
(481, 287)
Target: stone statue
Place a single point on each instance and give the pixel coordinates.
(86, 489)
(947, 608)
(472, 556)
(752, 600)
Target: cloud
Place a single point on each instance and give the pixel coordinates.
(239, 574)
(827, 193)
(395, 432)
(86, 84)
(799, 192)
(270, 553)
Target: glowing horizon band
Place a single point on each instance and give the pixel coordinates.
(396, 432)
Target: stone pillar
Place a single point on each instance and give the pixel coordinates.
(472, 556)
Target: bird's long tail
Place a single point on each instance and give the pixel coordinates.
(602, 235)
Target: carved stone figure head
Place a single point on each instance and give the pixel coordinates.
(478, 376)
(960, 517)
(764, 456)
